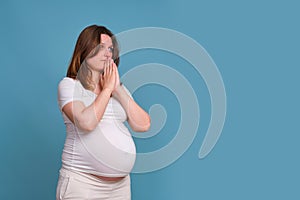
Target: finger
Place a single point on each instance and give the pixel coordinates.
(101, 81)
(111, 67)
(106, 67)
(116, 69)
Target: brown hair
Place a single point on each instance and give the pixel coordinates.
(87, 45)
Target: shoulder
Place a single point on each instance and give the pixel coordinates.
(66, 85)
(66, 81)
(66, 91)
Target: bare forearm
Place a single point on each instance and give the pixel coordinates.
(138, 119)
(89, 117)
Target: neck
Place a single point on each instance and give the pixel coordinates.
(95, 78)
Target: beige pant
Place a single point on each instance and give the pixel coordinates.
(80, 186)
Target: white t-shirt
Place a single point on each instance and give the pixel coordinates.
(109, 150)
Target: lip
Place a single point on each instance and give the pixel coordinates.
(106, 60)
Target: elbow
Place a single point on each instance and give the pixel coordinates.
(88, 129)
(146, 128)
(140, 129)
(147, 124)
(87, 126)
(143, 127)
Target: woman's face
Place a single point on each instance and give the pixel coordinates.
(103, 55)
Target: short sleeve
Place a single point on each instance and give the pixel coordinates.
(66, 92)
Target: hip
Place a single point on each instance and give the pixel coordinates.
(79, 185)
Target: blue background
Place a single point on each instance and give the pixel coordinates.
(255, 45)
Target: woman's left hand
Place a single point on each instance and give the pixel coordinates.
(117, 82)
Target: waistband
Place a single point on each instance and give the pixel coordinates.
(89, 178)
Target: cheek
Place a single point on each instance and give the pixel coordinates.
(100, 64)
(92, 62)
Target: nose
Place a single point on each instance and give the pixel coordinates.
(108, 53)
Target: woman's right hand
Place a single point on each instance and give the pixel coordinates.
(108, 77)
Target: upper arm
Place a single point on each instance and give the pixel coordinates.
(73, 109)
(68, 100)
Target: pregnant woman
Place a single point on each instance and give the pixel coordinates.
(99, 152)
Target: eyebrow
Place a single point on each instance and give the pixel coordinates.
(105, 43)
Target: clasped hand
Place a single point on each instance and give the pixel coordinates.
(110, 77)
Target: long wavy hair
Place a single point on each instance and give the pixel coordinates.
(87, 45)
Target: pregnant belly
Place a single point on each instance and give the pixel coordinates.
(111, 145)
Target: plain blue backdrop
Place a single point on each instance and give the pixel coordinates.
(255, 45)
